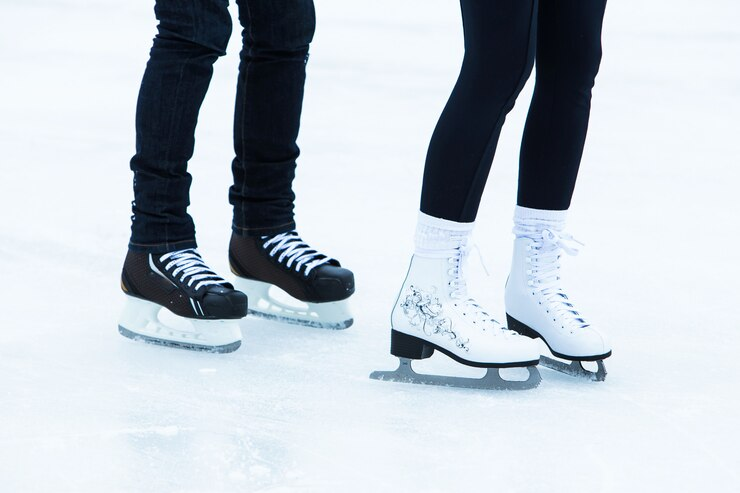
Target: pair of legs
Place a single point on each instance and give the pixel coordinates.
(503, 38)
(163, 269)
(191, 35)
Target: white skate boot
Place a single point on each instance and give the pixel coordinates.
(434, 312)
(536, 304)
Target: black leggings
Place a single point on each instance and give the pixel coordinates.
(502, 40)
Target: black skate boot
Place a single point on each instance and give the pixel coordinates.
(202, 309)
(317, 285)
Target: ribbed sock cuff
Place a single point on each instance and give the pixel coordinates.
(539, 214)
(530, 221)
(439, 237)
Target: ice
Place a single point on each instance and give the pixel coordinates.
(84, 409)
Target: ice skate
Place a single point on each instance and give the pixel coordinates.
(536, 304)
(174, 299)
(434, 312)
(287, 281)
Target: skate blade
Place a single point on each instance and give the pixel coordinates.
(148, 322)
(272, 303)
(575, 368)
(490, 381)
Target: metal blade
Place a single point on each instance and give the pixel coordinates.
(490, 381)
(575, 368)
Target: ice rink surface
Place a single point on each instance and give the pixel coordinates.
(83, 409)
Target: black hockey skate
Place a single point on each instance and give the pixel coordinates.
(174, 299)
(269, 267)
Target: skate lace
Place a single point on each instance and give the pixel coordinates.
(544, 274)
(190, 267)
(459, 289)
(295, 250)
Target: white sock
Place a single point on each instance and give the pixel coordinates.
(532, 221)
(437, 237)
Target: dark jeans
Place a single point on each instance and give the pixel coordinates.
(192, 34)
(503, 38)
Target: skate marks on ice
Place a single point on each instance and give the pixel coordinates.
(492, 380)
(148, 322)
(272, 303)
(209, 447)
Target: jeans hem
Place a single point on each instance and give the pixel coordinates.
(263, 231)
(167, 246)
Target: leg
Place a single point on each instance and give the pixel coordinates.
(568, 57)
(499, 54)
(191, 36)
(265, 251)
(269, 100)
(434, 311)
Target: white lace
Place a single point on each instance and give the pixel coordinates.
(189, 264)
(459, 289)
(294, 250)
(544, 274)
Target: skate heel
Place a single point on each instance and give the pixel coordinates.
(406, 346)
(517, 326)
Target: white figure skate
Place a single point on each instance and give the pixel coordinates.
(538, 307)
(434, 312)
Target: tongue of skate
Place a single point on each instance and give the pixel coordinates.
(189, 266)
(293, 249)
